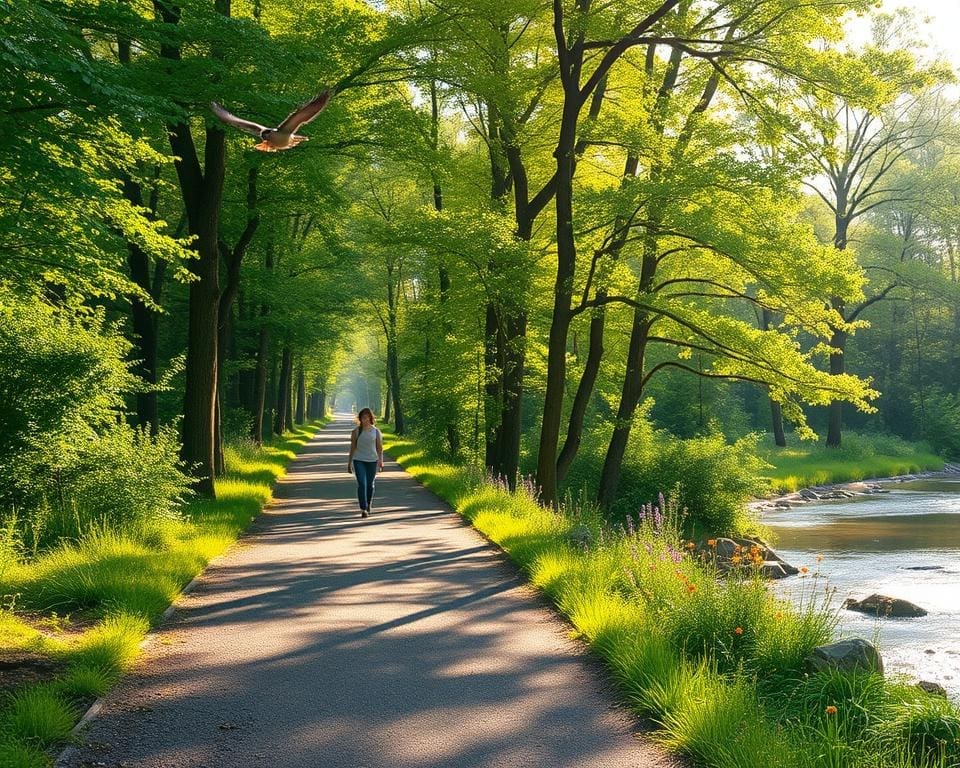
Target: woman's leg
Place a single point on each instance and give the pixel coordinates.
(360, 472)
(370, 476)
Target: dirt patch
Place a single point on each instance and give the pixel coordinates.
(19, 668)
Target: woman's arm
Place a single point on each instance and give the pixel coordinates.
(379, 450)
(353, 448)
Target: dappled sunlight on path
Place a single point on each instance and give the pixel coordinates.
(323, 639)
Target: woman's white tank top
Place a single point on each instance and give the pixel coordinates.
(367, 445)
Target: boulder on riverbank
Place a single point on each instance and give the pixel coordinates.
(853, 655)
(888, 607)
(730, 554)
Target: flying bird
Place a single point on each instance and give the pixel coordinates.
(284, 136)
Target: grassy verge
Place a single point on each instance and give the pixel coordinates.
(715, 663)
(74, 617)
(861, 457)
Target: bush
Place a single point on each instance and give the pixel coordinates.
(710, 477)
(941, 419)
(120, 480)
(61, 375)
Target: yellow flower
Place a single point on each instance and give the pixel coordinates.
(736, 559)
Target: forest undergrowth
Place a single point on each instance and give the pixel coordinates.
(716, 664)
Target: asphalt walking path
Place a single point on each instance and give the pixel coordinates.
(323, 640)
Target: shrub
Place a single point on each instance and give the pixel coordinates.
(712, 479)
(120, 480)
(61, 375)
(941, 420)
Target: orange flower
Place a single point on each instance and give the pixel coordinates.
(831, 710)
(711, 542)
(738, 631)
(691, 588)
(819, 558)
(736, 559)
(804, 569)
(690, 545)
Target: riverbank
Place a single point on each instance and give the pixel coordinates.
(802, 465)
(850, 490)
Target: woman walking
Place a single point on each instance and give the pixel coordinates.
(366, 458)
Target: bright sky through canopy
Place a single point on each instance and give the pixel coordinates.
(944, 26)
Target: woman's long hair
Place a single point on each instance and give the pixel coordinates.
(373, 419)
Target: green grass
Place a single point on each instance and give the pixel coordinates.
(120, 582)
(715, 664)
(861, 457)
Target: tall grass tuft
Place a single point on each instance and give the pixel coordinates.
(39, 716)
(16, 754)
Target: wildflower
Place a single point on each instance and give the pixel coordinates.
(738, 631)
(690, 545)
(831, 710)
(691, 588)
(736, 559)
(819, 558)
(804, 569)
(711, 542)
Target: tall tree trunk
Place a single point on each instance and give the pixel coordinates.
(272, 391)
(562, 295)
(144, 318)
(202, 191)
(301, 395)
(776, 412)
(494, 365)
(838, 341)
(388, 401)
(280, 422)
(630, 395)
(394, 371)
(571, 445)
(260, 396)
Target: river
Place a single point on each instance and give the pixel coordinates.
(905, 544)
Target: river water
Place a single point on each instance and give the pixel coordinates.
(905, 544)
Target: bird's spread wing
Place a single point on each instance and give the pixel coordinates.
(230, 119)
(304, 113)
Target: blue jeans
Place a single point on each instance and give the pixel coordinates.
(366, 472)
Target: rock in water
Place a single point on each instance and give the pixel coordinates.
(851, 655)
(934, 689)
(881, 605)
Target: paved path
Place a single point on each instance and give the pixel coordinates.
(323, 640)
